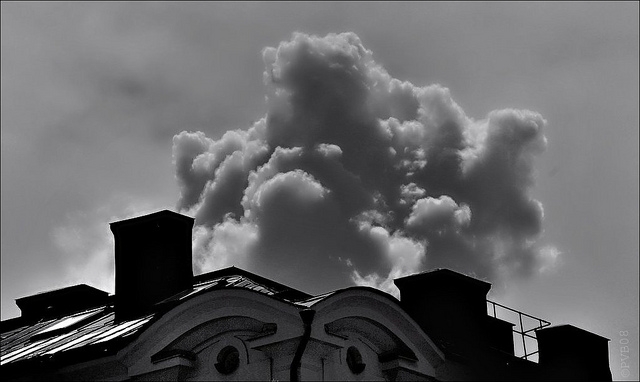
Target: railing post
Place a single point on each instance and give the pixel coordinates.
(524, 344)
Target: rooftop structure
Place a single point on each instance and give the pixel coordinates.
(163, 323)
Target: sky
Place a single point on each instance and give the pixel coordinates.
(332, 144)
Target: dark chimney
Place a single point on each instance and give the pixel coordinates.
(152, 260)
(452, 309)
(567, 353)
(60, 302)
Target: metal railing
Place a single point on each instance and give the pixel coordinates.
(531, 323)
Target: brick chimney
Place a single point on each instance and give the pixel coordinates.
(152, 260)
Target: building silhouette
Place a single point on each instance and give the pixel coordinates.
(163, 323)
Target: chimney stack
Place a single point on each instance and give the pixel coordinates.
(567, 353)
(452, 309)
(152, 260)
(61, 302)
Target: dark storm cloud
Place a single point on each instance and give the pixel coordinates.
(356, 176)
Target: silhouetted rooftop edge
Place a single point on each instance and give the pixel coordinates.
(153, 216)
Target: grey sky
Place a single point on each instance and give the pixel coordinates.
(92, 94)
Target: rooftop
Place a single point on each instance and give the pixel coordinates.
(95, 329)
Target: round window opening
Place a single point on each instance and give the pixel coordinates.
(228, 360)
(354, 360)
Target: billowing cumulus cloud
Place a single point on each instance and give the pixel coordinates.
(353, 176)
(437, 216)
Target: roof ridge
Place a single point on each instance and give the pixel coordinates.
(233, 270)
